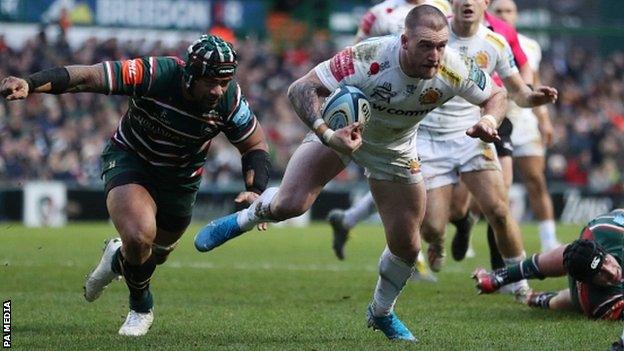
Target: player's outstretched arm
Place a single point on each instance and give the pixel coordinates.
(551, 262)
(538, 266)
(560, 300)
(58, 80)
(524, 96)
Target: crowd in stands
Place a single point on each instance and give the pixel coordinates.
(60, 137)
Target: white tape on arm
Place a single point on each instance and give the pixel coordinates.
(317, 123)
(327, 134)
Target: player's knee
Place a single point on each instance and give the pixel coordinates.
(536, 183)
(136, 251)
(498, 215)
(137, 242)
(457, 213)
(431, 232)
(458, 210)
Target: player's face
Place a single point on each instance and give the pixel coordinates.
(469, 11)
(425, 50)
(506, 10)
(610, 273)
(207, 91)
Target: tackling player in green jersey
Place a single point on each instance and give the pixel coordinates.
(153, 163)
(593, 264)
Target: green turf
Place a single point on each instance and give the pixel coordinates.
(280, 290)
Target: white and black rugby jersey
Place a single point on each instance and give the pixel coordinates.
(400, 102)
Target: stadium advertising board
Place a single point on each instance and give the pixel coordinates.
(44, 204)
(158, 14)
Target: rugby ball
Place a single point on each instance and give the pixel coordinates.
(346, 105)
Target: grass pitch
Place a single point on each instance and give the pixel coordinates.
(279, 290)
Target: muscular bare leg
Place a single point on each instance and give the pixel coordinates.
(402, 229)
(311, 167)
(434, 224)
(490, 193)
(532, 170)
(133, 212)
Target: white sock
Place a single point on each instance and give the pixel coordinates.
(359, 211)
(513, 260)
(393, 274)
(547, 232)
(258, 211)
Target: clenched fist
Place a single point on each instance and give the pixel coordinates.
(13, 88)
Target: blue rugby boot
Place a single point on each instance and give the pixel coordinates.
(390, 325)
(217, 232)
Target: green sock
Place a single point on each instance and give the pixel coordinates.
(142, 304)
(527, 269)
(137, 279)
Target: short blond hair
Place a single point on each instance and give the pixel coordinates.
(426, 15)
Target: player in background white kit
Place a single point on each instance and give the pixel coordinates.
(388, 17)
(382, 19)
(395, 72)
(532, 132)
(446, 153)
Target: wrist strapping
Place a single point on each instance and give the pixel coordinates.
(327, 135)
(258, 162)
(317, 123)
(57, 77)
(541, 300)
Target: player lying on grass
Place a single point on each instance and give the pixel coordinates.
(593, 264)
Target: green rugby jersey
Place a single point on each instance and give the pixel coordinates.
(162, 127)
(595, 301)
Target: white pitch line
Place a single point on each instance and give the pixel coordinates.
(267, 266)
(257, 266)
(291, 267)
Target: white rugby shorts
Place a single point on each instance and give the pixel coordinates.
(443, 161)
(382, 164)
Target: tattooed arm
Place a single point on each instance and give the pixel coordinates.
(86, 79)
(59, 80)
(305, 95)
